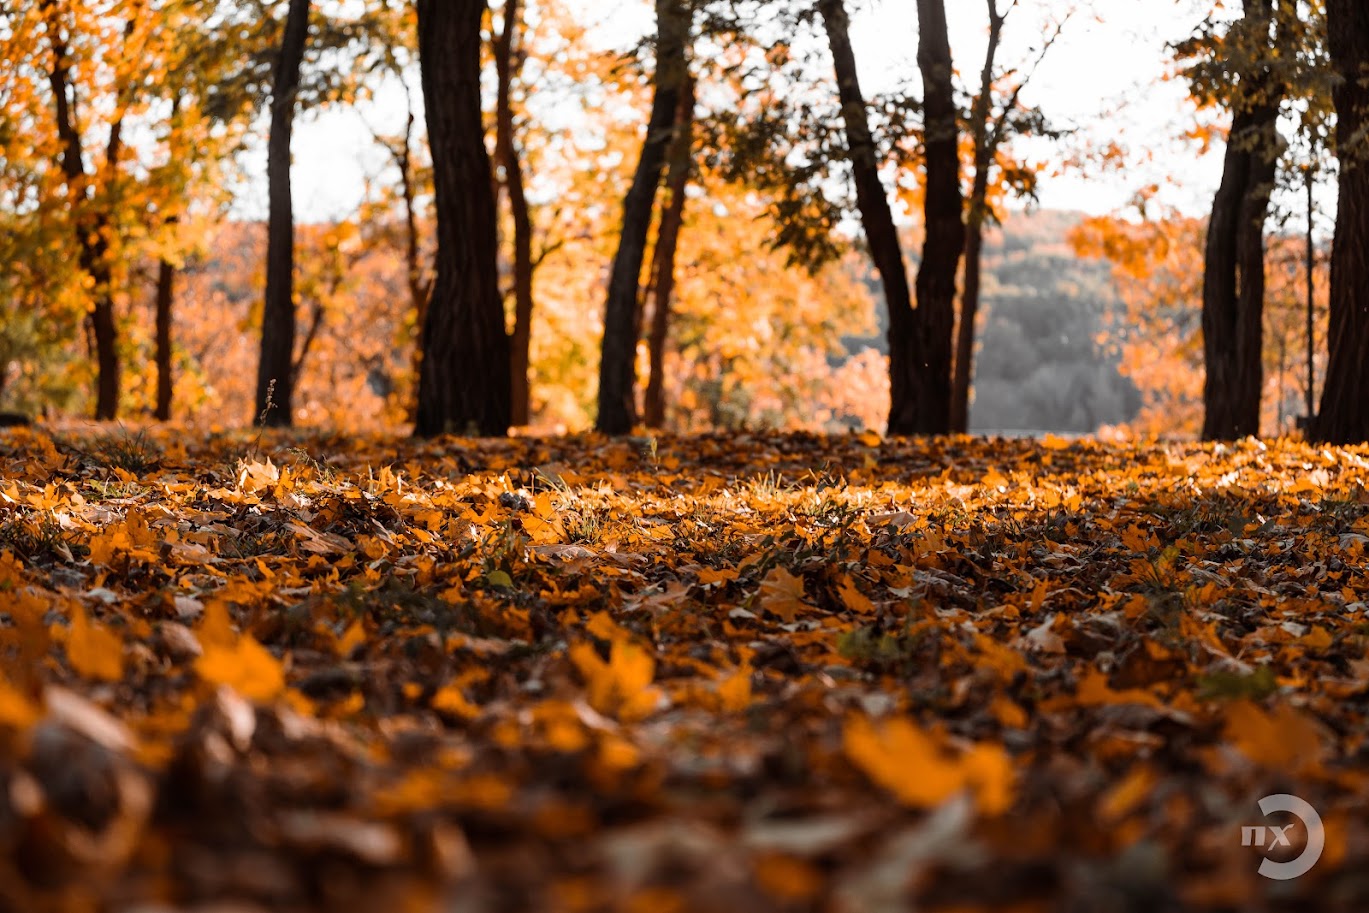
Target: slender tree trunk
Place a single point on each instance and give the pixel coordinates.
(906, 356)
(464, 383)
(507, 60)
(418, 279)
(618, 364)
(166, 293)
(679, 167)
(1311, 277)
(1233, 268)
(92, 224)
(963, 377)
(1344, 417)
(920, 347)
(275, 380)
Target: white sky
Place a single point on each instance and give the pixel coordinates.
(1101, 77)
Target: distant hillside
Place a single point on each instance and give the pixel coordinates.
(1040, 364)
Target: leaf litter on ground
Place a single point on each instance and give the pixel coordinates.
(759, 672)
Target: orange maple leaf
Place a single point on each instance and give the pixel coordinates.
(782, 595)
(621, 686)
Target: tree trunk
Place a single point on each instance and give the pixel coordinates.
(905, 352)
(920, 347)
(166, 282)
(1344, 417)
(618, 363)
(1233, 268)
(506, 60)
(464, 382)
(681, 160)
(92, 225)
(963, 377)
(418, 279)
(275, 380)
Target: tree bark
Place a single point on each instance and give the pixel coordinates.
(920, 345)
(1344, 417)
(618, 363)
(464, 381)
(275, 379)
(166, 293)
(963, 377)
(1233, 269)
(92, 224)
(678, 169)
(506, 61)
(877, 220)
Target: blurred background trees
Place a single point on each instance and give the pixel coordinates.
(699, 215)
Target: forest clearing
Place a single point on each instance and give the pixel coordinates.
(684, 455)
(294, 672)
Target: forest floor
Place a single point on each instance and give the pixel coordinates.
(754, 672)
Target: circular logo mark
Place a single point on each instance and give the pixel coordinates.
(1271, 837)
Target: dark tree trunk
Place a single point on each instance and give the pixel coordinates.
(92, 224)
(1344, 417)
(95, 261)
(275, 379)
(984, 142)
(464, 382)
(506, 60)
(679, 166)
(920, 348)
(1233, 268)
(166, 295)
(906, 357)
(618, 363)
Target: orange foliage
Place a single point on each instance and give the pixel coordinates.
(570, 668)
(1158, 268)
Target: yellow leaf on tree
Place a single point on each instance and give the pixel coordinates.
(94, 651)
(247, 667)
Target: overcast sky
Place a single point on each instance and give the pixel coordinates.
(1102, 77)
